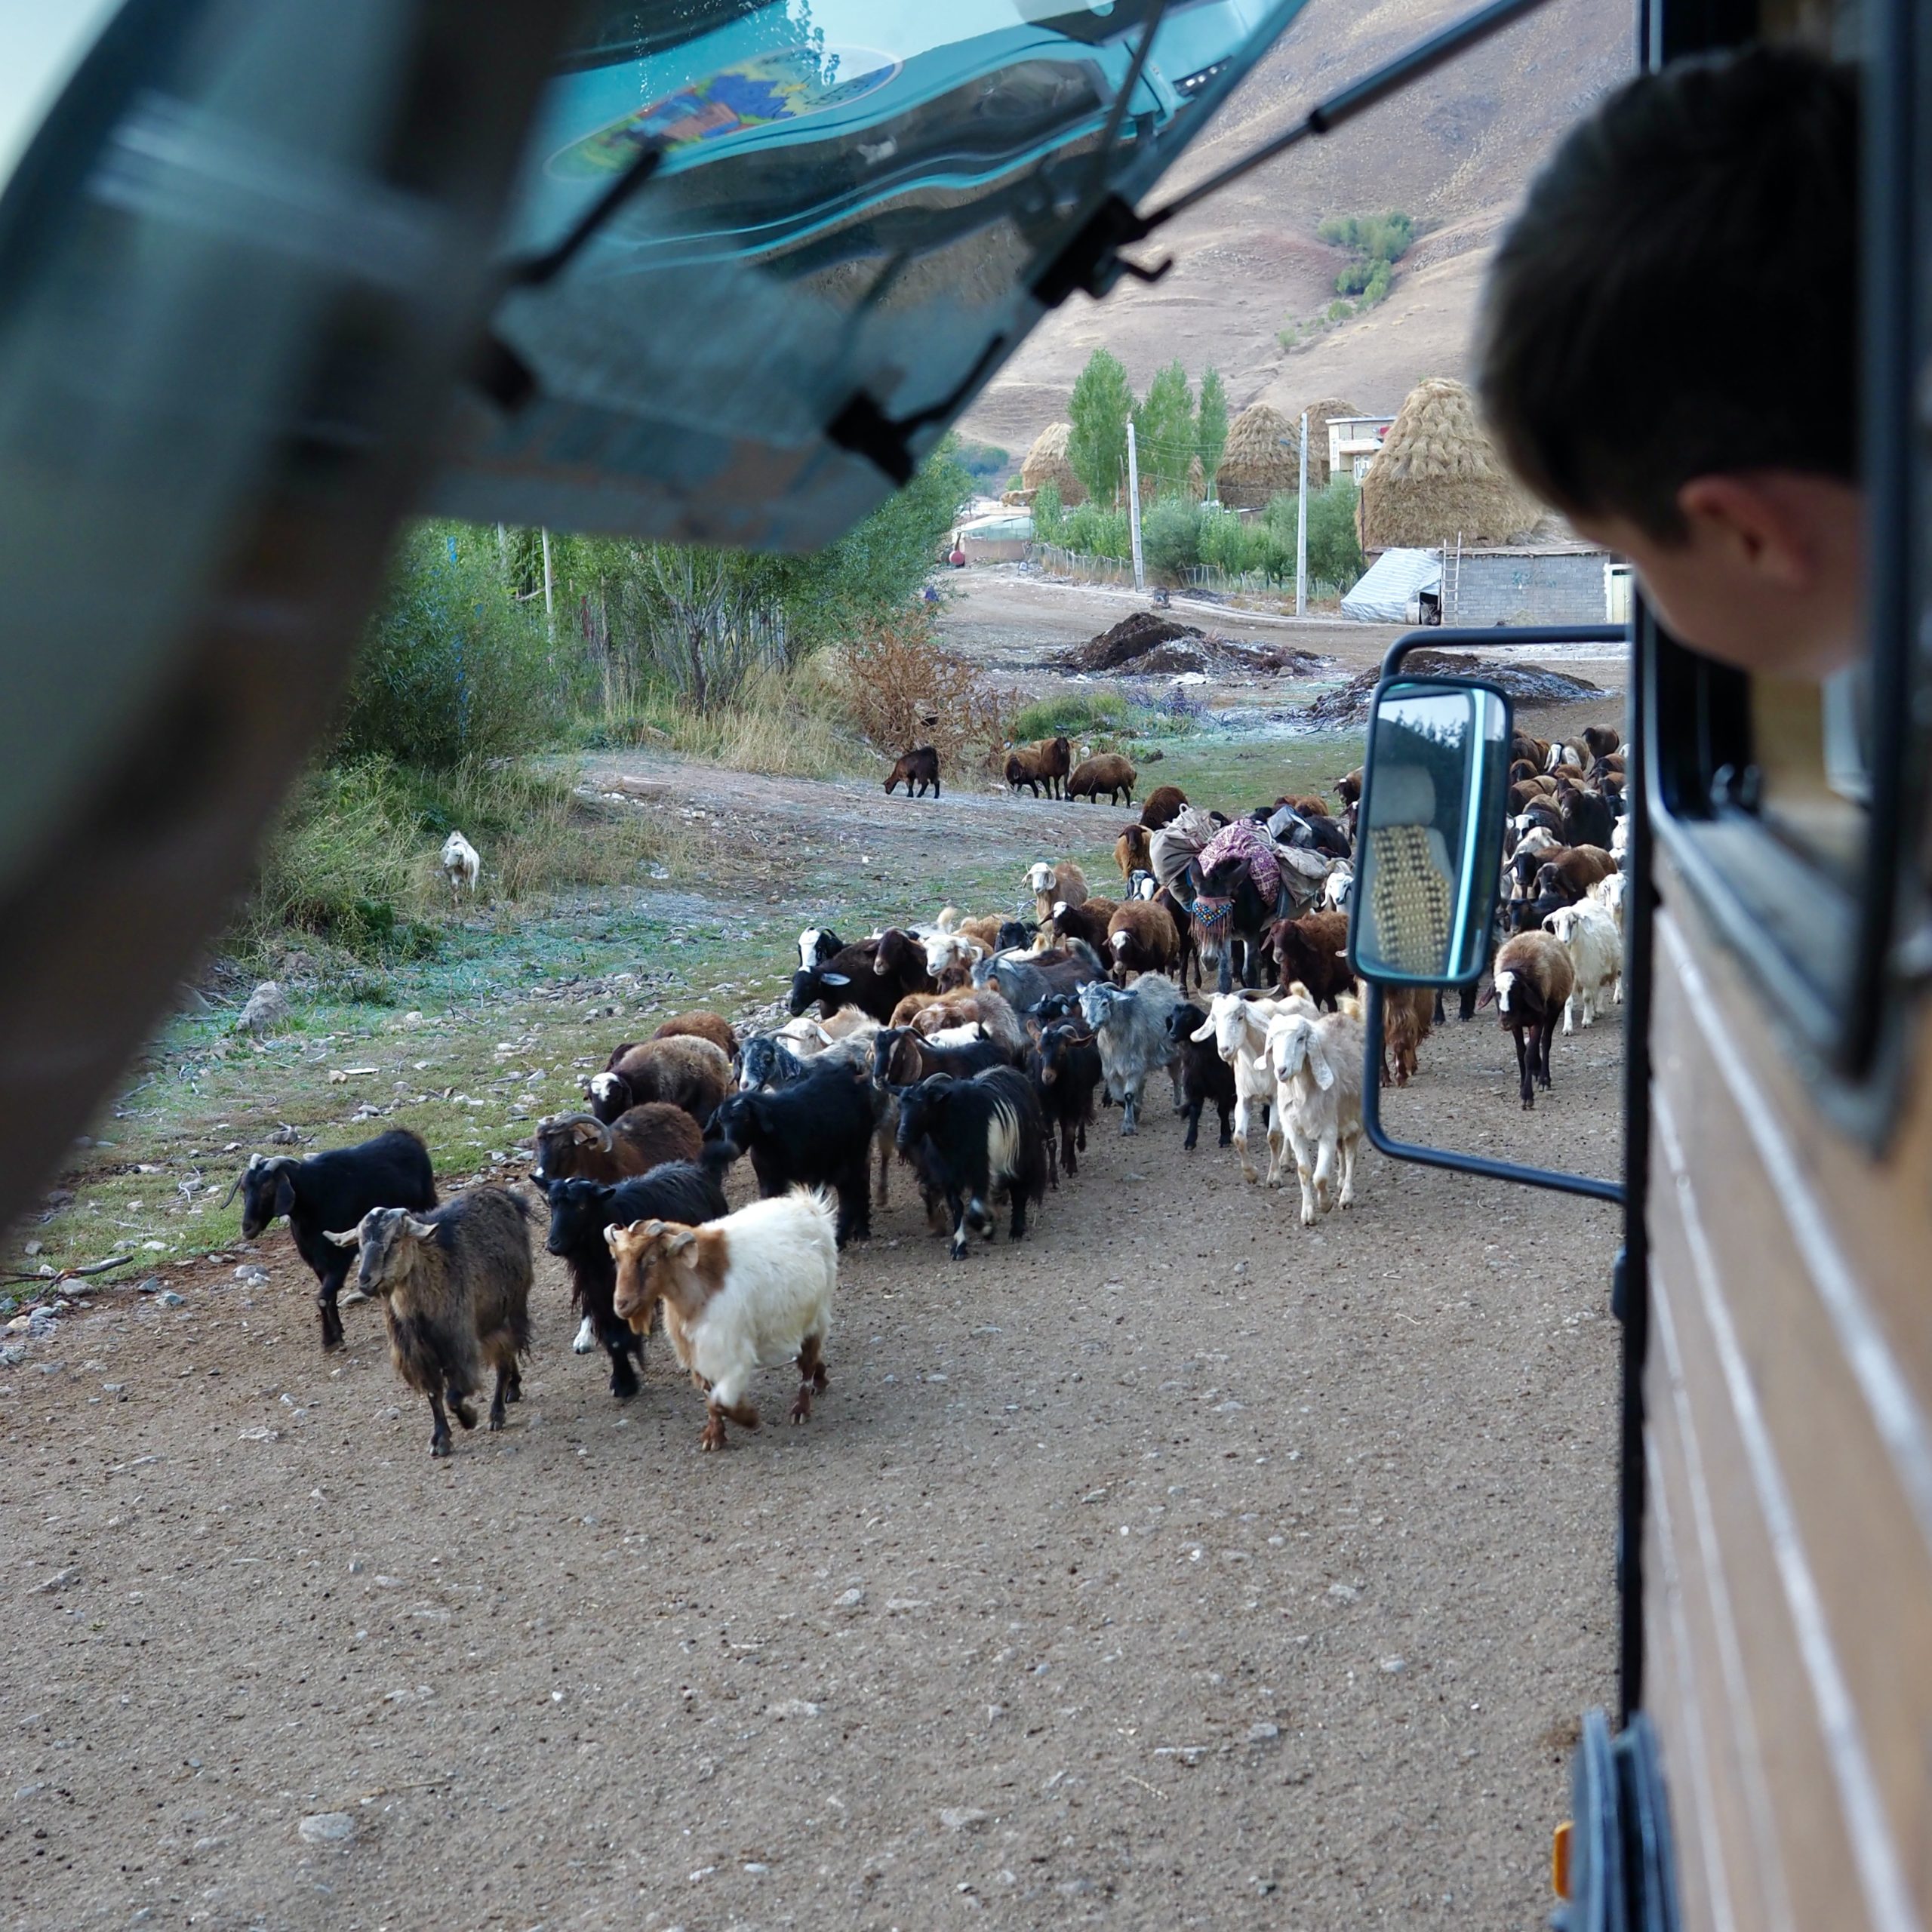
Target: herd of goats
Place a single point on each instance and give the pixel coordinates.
(972, 1050)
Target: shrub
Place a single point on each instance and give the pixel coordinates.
(902, 689)
(1074, 714)
(1171, 538)
(1049, 517)
(453, 666)
(1094, 532)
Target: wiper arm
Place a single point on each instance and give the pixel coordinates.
(1091, 261)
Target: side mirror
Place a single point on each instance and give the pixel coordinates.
(1429, 844)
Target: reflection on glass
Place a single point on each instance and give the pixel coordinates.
(1431, 832)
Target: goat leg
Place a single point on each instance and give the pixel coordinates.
(1192, 1111)
(460, 1406)
(439, 1438)
(812, 1378)
(330, 1287)
(497, 1400)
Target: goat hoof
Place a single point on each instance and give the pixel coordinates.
(495, 1421)
(439, 1445)
(712, 1436)
(801, 1409)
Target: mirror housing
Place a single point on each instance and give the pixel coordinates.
(1428, 839)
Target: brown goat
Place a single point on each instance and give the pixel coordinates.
(1087, 921)
(919, 766)
(699, 1024)
(1109, 773)
(1141, 938)
(1134, 851)
(991, 1009)
(1408, 1013)
(581, 1146)
(1165, 804)
(1310, 949)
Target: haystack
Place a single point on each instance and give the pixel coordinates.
(1320, 415)
(1261, 459)
(1438, 477)
(1046, 462)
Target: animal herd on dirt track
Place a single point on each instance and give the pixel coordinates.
(972, 1051)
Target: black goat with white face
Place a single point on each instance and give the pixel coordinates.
(330, 1193)
(970, 1139)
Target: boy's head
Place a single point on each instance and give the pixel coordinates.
(1669, 350)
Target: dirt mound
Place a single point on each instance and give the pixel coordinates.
(1130, 640)
(1527, 684)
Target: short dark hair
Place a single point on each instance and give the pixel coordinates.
(1679, 296)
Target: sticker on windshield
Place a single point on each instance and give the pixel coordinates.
(741, 99)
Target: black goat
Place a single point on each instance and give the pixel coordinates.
(579, 1212)
(816, 1132)
(854, 976)
(1204, 1075)
(329, 1194)
(1065, 1069)
(765, 1060)
(971, 1137)
(903, 1058)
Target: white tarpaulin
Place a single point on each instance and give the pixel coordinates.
(1383, 595)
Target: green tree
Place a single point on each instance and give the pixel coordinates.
(1099, 410)
(1210, 424)
(1171, 538)
(1049, 517)
(1164, 430)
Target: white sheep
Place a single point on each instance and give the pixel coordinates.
(460, 866)
(1609, 892)
(752, 1290)
(1318, 1065)
(1338, 888)
(1587, 932)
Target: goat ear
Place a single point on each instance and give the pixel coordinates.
(285, 1193)
(353, 1238)
(586, 1131)
(1324, 1074)
(422, 1230)
(835, 979)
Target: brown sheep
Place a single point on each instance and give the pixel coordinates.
(1534, 980)
(983, 932)
(1407, 1014)
(1348, 787)
(1310, 949)
(913, 1003)
(1141, 938)
(1602, 740)
(1042, 764)
(700, 1024)
(1056, 758)
(581, 1147)
(920, 766)
(1134, 851)
(1165, 803)
(1109, 773)
(1050, 886)
(686, 1071)
(970, 1005)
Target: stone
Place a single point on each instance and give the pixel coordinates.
(267, 1009)
(152, 1286)
(12, 1355)
(849, 1599)
(327, 1827)
(1263, 1733)
(169, 1298)
(251, 1274)
(965, 1818)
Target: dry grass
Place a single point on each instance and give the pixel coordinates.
(903, 689)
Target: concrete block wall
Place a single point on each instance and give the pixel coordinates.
(1555, 589)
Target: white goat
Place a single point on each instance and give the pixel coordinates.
(949, 951)
(460, 866)
(1238, 1027)
(1587, 932)
(1318, 1101)
(1338, 886)
(1610, 893)
(753, 1291)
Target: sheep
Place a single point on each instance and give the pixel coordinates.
(567, 1146)
(1587, 931)
(1587, 818)
(984, 933)
(1348, 787)
(818, 1131)
(1237, 1023)
(1163, 804)
(460, 867)
(852, 977)
(1533, 980)
(1204, 1075)
(683, 1072)
(751, 1290)
(950, 958)
(902, 1058)
(1408, 1013)
(1050, 885)
(1064, 1066)
(1130, 1026)
(579, 1212)
(1610, 893)
(701, 1024)
(1133, 852)
(1141, 938)
(817, 944)
(1109, 773)
(1309, 951)
(333, 1190)
(455, 1285)
(1318, 1101)
(1087, 923)
(1025, 981)
(1601, 740)
(980, 1005)
(1564, 877)
(920, 766)
(971, 1138)
(1044, 763)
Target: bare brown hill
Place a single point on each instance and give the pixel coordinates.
(1454, 152)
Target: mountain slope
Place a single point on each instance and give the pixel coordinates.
(1454, 150)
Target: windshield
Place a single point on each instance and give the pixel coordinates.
(853, 199)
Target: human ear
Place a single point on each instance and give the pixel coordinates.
(1743, 518)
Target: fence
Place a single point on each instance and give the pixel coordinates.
(1050, 560)
(1256, 583)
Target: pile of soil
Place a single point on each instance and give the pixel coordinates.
(1527, 684)
(1131, 641)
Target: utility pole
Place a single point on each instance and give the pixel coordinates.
(549, 589)
(1134, 505)
(1301, 528)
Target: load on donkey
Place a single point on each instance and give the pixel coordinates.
(1235, 880)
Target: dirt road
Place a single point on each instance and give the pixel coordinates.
(1177, 1566)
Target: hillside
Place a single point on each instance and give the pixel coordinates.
(1454, 152)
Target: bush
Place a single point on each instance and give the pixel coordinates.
(1092, 531)
(453, 666)
(1073, 714)
(1049, 517)
(1171, 538)
(902, 689)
